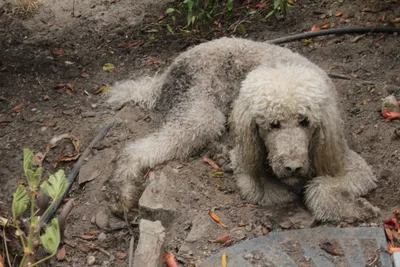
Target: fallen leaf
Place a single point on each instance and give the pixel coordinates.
(68, 62)
(290, 2)
(333, 249)
(339, 14)
(59, 86)
(154, 61)
(3, 69)
(354, 75)
(326, 26)
(223, 260)
(396, 20)
(49, 124)
(70, 86)
(68, 92)
(108, 67)
(87, 237)
(365, 102)
(61, 254)
(102, 90)
(121, 255)
(161, 17)
(367, 9)
(132, 44)
(397, 214)
(393, 249)
(18, 108)
(169, 259)
(315, 28)
(332, 67)
(69, 157)
(2, 261)
(59, 52)
(46, 98)
(228, 243)
(221, 239)
(216, 218)
(241, 224)
(212, 163)
(84, 74)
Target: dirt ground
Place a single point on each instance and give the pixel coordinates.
(64, 40)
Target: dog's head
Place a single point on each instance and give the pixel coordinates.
(289, 114)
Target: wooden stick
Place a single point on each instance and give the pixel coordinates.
(74, 173)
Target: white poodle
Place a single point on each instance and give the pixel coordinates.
(281, 111)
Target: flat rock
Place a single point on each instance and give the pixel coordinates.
(97, 167)
(101, 219)
(156, 202)
(200, 227)
(149, 251)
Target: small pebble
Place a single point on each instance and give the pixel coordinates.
(102, 237)
(94, 105)
(91, 260)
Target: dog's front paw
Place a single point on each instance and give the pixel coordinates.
(358, 210)
(125, 191)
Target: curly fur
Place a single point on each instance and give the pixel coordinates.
(283, 117)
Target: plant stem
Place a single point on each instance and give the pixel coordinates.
(45, 213)
(29, 249)
(45, 259)
(20, 233)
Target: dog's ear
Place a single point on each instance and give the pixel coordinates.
(247, 140)
(328, 144)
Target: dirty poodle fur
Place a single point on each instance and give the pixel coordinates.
(282, 115)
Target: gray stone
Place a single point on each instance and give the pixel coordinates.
(149, 251)
(200, 227)
(102, 219)
(102, 236)
(155, 202)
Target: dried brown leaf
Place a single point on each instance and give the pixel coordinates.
(216, 218)
(61, 254)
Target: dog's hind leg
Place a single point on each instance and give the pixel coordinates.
(338, 198)
(187, 130)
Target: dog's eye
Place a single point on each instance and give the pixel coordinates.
(304, 122)
(275, 125)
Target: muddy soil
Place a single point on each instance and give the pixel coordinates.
(63, 40)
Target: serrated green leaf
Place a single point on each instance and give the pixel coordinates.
(169, 10)
(170, 29)
(56, 185)
(51, 238)
(32, 176)
(20, 201)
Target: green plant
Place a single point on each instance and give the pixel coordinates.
(281, 8)
(232, 14)
(23, 199)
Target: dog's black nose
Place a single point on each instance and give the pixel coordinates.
(293, 168)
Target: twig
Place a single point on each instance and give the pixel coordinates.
(74, 173)
(308, 35)
(131, 243)
(344, 77)
(93, 246)
(5, 246)
(376, 257)
(62, 217)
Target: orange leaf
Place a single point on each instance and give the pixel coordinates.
(49, 124)
(70, 86)
(397, 20)
(216, 218)
(59, 52)
(102, 90)
(18, 108)
(169, 259)
(339, 14)
(87, 237)
(367, 9)
(121, 255)
(46, 98)
(315, 28)
(221, 239)
(212, 163)
(265, 231)
(228, 243)
(326, 26)
(59, 86)
(2, 261)
(68, 92)
(61, 253)
(354, 75)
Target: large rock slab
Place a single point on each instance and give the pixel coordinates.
(156, 202)
(149, 251)
(360, 246)
(201, 225)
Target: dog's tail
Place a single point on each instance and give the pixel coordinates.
(144, 92)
